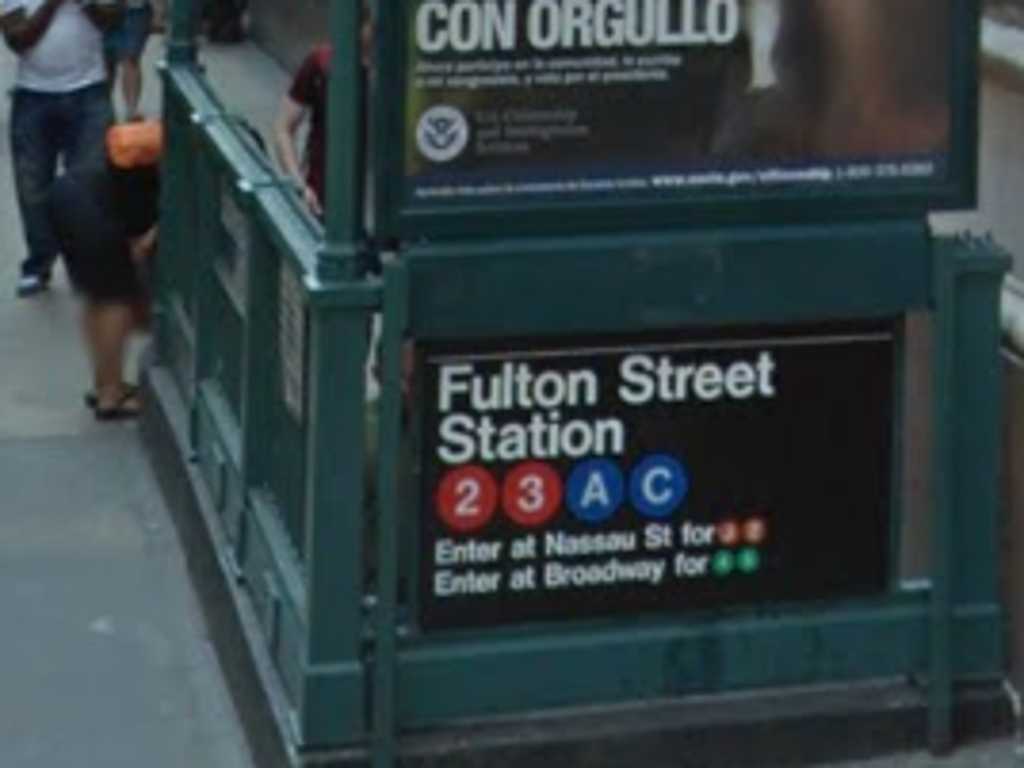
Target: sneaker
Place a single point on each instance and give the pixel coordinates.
(31, 285)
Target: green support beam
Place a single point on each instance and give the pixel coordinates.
(344, 226)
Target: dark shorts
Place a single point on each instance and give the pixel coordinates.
(93, 238)
(127, 39)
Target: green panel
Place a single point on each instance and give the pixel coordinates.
(336, 694)
(275, 438)
(326, 700)
(275, 610)
(754, 276)
(176, 344)
(217, 440)
(289, 574)
(217, 453)
(547, 670)
(211, 456)
(285, 446)
(277, 584)
(291, 640)
(285, 441)
(224, 335)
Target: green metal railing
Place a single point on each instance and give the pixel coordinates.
(244, 316)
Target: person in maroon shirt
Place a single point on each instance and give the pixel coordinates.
(306, 100)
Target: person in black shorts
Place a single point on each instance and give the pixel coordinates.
(106, 222)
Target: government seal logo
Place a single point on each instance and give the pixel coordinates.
(442, 133)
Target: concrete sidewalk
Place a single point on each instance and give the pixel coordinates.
(104, 659)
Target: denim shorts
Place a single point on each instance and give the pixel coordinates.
(127, 39)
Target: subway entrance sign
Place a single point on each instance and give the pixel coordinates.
(654, 473)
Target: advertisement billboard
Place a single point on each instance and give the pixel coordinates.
(659, 108)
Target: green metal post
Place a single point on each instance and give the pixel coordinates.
(344, 193)
(334, 501)
(940, 643)
(172, 203)
(978, 376)
(389, 480)
(181, 47)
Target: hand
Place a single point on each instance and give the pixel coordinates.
(143, 247)
(312, 201)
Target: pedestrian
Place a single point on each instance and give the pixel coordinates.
(106, 222)
(60, 110)
(124, 44)
(306, 102)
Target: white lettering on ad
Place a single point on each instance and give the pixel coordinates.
(487, 26)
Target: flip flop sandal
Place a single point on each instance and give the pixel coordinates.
(122, 411)
(91, 400)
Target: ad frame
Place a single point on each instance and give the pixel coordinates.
(634, 212)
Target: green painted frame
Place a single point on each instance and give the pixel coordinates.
(946, 631)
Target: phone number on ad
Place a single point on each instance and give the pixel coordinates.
(919, 169)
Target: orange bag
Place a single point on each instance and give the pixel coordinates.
(136, 144)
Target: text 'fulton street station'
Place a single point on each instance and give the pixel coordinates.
(467, 397)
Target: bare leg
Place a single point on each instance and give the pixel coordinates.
(109, 327)
(131, 86)
(90, 332)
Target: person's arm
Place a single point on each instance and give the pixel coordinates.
(102, 13)
(22, 30)
(290, 117)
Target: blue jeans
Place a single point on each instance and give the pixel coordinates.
(49, 131)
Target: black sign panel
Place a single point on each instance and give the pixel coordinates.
(654, 474)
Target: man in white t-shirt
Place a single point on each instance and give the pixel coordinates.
(60, 109)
